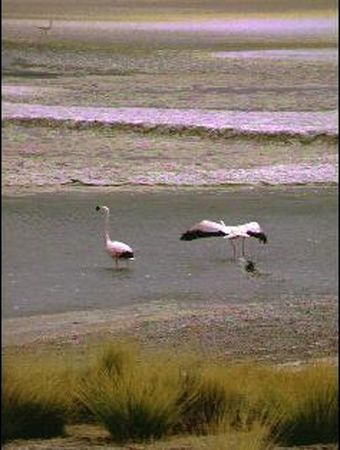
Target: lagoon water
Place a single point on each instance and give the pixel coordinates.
(53, 257)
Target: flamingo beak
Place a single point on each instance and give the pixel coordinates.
(97, 208)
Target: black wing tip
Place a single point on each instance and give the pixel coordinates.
(197, 234)
(127, 255)
(260, 236)
(263, 238)
(187, 237)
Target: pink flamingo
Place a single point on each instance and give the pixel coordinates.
(117, 250)
(208, 228)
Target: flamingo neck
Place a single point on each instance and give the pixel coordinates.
(106, 227)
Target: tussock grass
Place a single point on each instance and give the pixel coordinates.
(151, 397)
(32, 402)
(310, 408)
(116, 360)
(209, 400)
(133, 400)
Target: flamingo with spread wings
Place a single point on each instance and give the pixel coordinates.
(208, 228)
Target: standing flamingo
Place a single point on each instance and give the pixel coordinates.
(208, 228)
(117, 250)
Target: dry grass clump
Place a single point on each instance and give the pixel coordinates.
(146, 398)
(209, 399)
(310, 408)
(135, 401)
(33, 403)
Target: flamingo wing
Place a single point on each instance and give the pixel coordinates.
(118, 249)
(204, 229)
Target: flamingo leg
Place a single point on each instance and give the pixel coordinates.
(117, 264)
(243, 242)
(234, 249)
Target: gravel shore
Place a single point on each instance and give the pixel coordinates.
(277, 332)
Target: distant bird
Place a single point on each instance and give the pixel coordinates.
(208, 228)
(117, 250)
(46, 28)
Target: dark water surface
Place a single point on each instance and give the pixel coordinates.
(54, 261)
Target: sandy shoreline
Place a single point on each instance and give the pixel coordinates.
(323, 175)
(281, 331)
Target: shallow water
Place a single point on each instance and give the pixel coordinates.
(53, 257)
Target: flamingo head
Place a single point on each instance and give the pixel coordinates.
(102, 208)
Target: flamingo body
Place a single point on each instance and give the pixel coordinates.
(119, 250)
